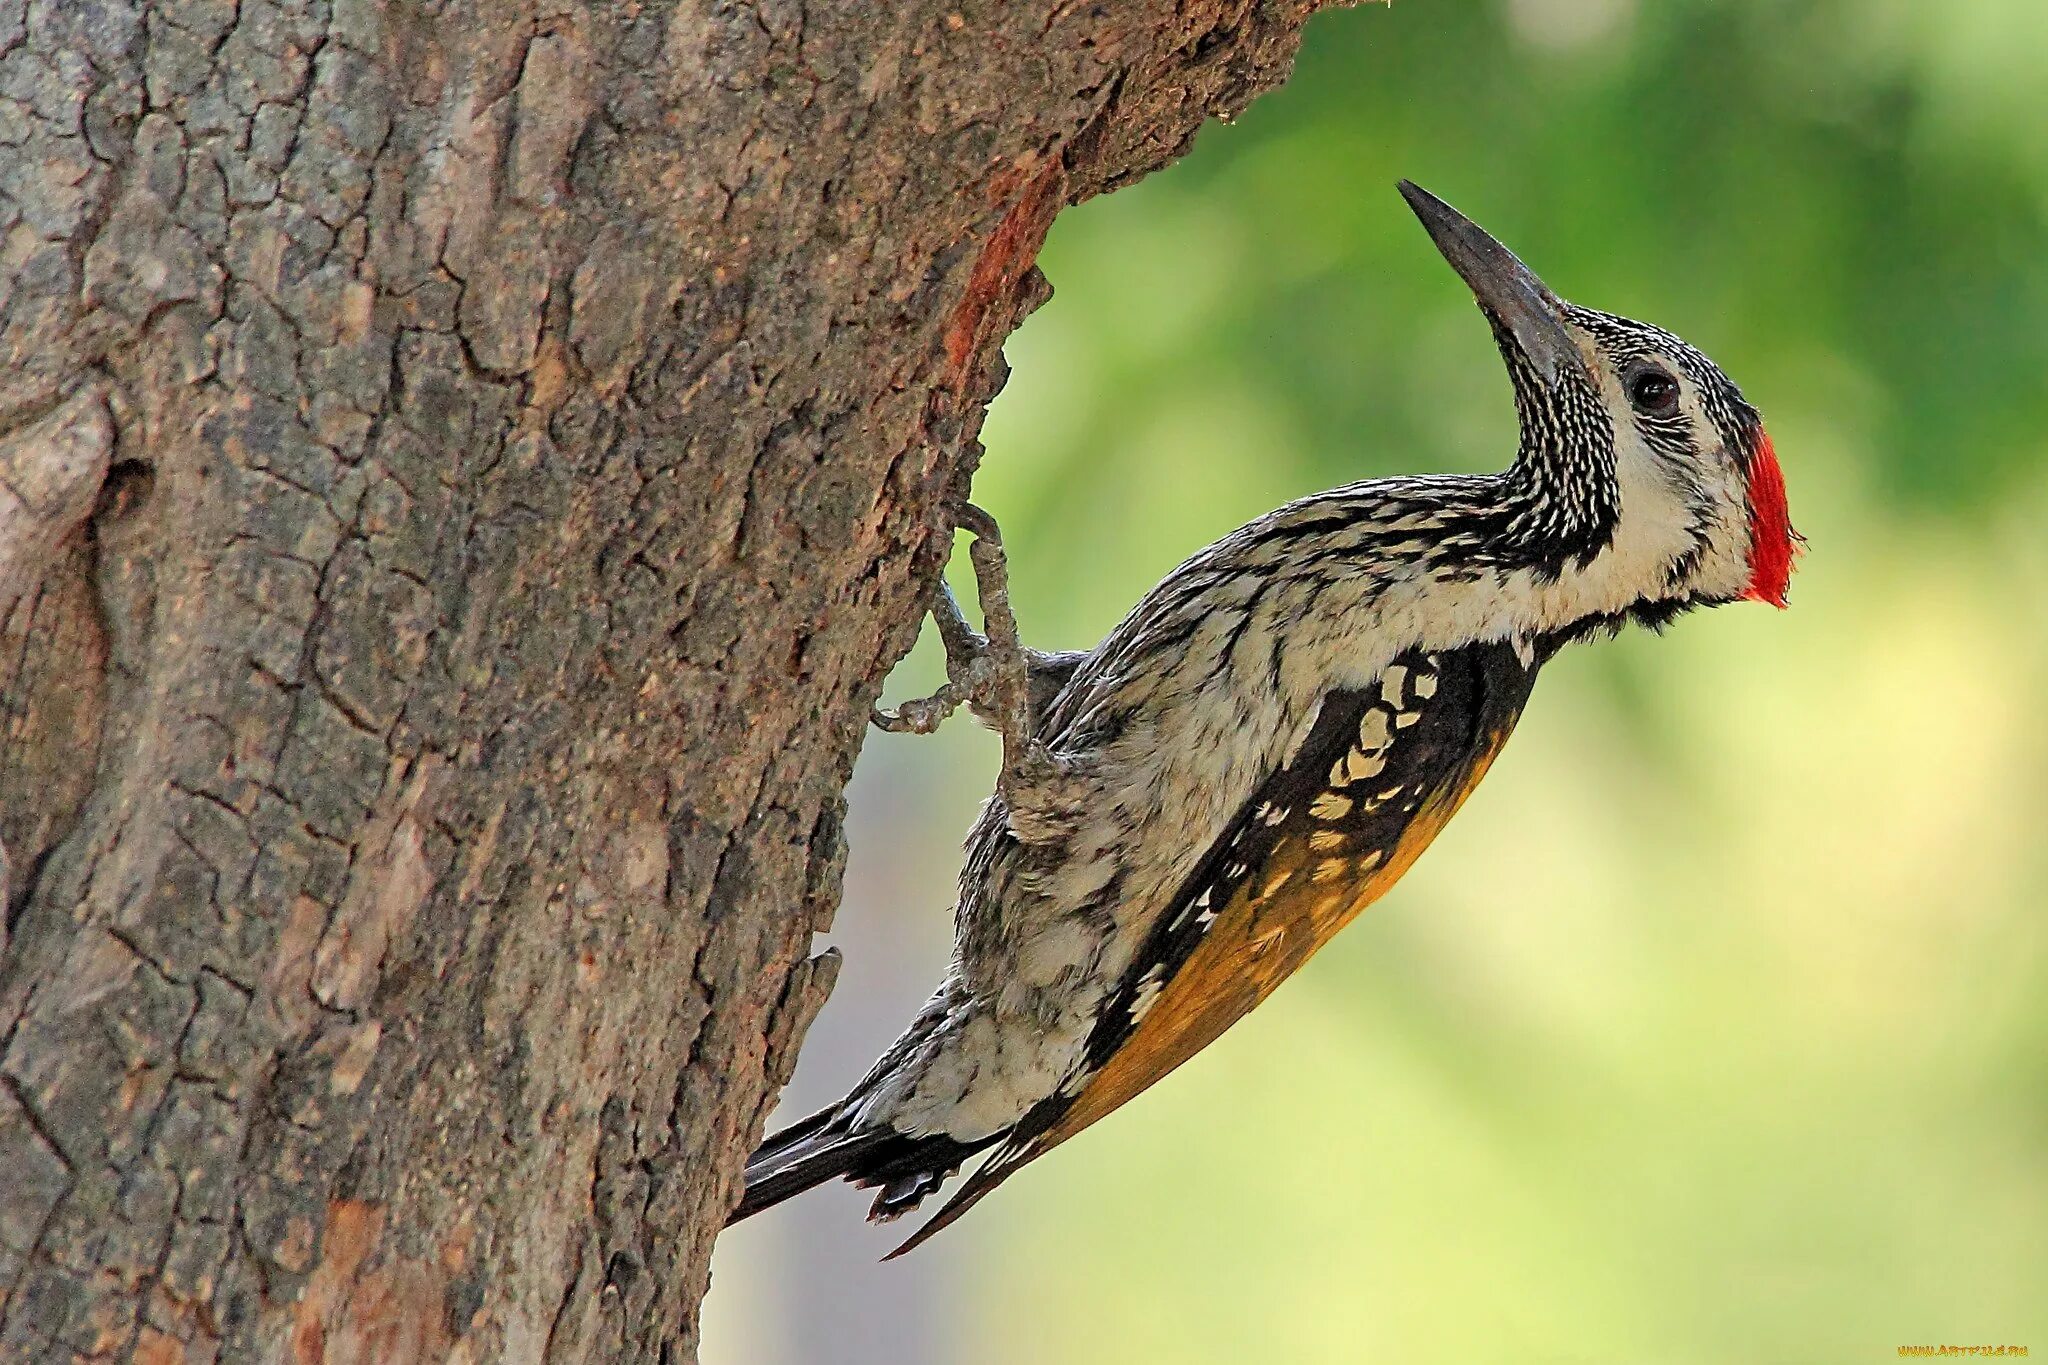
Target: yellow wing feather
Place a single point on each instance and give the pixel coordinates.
(1345, 822)
(1273, 925)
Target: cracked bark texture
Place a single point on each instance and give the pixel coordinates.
(491, 454)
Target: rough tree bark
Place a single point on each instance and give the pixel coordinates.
(465, 471)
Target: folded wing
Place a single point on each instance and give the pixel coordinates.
(1380, 773)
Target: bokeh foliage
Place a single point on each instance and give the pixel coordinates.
(1716, 1028)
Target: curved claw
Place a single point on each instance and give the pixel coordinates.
(977, 523)
(919, 715)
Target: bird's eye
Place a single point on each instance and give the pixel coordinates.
(1653, 392)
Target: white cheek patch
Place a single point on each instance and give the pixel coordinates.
(1674, 537)
(1654, 530)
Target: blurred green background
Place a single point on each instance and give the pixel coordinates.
(1716, 1028)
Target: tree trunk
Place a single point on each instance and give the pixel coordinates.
(465, 471)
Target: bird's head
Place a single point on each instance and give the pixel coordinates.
(1636, 451)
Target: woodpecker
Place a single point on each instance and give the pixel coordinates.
(1267, 742)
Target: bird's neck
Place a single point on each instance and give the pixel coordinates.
(1561, 499)
(1598, 532)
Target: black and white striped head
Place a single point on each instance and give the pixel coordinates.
(1637, 452)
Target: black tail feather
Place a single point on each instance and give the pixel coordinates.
(799, 1165)
(812, 1151)
(779, 1142)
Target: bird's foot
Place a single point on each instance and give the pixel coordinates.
(968, 669)
(991, 675)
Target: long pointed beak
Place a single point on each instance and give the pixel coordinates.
(1502, 284)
